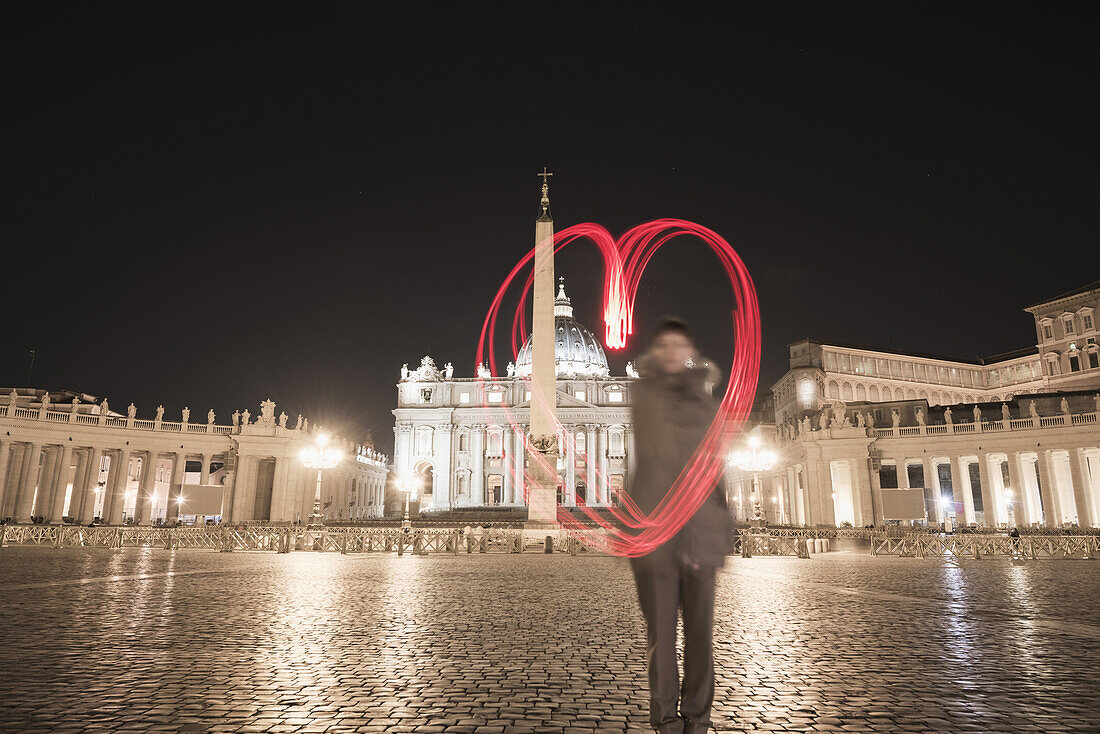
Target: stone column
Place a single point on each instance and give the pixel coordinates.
(989, 508)
(80, 471)
(958, 500)
(231, 467)
(179, 464)
(1090, 462)
(9, 481)
(1052, 515)
(147, 489)
(5, 460)
(244, 495)
(1081, 490)
(477, 480)
(519, 452)
(507, 463)
(591, 452)
(964, 473)
(815, 494)
(800, 494)
(1029, 489)
(444, 466)
(280, 510)
(789, 505)
(828, 506)
(996, 476)
(25, 502)
(43, 498)
(602, 478)
(204, 476)
(631, 460)
(108, 493)
(89, 496)
(117, 489)
(570, 465)
(932, 488)
(864, 490)
(61, 485)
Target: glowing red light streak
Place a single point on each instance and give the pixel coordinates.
(625, 260)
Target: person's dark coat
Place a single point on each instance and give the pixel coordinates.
(672, 413)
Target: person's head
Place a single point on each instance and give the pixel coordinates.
(672, 344)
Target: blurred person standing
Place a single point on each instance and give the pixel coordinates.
(673, 407)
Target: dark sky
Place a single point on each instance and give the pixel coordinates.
(211, 204)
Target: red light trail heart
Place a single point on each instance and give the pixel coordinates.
(625, 259)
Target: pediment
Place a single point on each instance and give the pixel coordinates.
(565, 400)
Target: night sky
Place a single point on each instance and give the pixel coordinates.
(214, 204)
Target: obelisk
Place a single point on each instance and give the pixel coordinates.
(542, 443)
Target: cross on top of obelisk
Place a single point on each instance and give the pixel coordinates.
(545, 203)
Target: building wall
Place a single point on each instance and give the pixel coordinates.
(1067, 339)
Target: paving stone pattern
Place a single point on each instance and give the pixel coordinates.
(143, 640)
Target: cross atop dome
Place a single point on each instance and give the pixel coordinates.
(562, 305)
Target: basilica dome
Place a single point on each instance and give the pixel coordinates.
(577, 352)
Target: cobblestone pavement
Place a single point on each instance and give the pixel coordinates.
(144, 640)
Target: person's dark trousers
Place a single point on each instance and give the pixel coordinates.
(661, 593)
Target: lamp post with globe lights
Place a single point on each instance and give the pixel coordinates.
(754, 460)
(319, 457)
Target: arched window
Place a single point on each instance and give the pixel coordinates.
(833, 391)
(495, 442)
(861, 393)
(463, 441)
(616, 439)
(580, 442)
(846, 392)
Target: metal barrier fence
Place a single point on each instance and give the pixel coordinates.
(284, 539)
(919, 545)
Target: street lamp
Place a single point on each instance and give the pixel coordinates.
(319, 457)
(754, 460)
(407, 485)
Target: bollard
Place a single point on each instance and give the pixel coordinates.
(573, 544)
(469, 544)
(548, 545)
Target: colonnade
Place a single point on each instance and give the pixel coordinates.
(65, 466)
(1002, 473)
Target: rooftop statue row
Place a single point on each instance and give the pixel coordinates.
(835, 415)
(428, 372)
